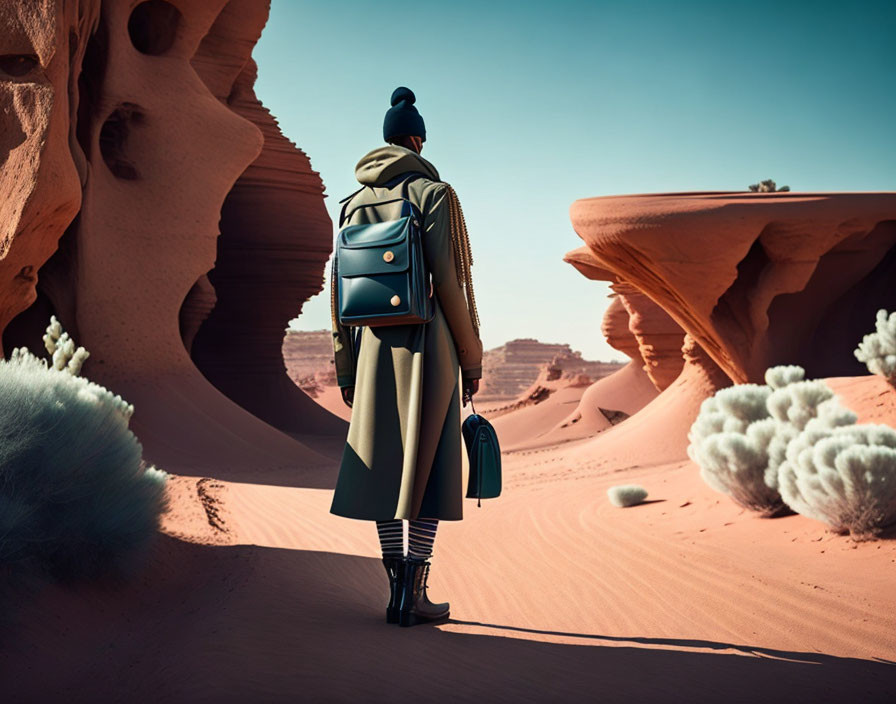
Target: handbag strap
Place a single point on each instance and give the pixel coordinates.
(469, 399)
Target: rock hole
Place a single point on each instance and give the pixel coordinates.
(18, 65)
(114, 137)
(153, 26)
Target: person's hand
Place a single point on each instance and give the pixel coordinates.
(471, 386)
(348, 395)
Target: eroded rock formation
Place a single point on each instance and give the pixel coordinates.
(659, 337)
(641, 329)
(658, 432)
(615, 328)
(275, 239)
(756, 279)
(156, 126)
(42, 45)
(307, 353)
(629, 389)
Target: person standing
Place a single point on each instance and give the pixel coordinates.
(401, 464)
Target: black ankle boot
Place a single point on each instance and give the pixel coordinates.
(415, 605)
(395, 570)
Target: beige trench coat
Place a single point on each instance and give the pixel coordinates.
(402, 458)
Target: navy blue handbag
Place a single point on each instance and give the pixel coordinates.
(484, 453)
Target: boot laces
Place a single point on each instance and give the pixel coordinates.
(424, 577)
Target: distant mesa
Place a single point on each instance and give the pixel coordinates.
(309, 360)
(508, 371)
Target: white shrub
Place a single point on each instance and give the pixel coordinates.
(729, 441)
(878, 349)
(792, 407)
(844, 477)
(783, 375)
(75, 498)
(626, 495)
(66, 357)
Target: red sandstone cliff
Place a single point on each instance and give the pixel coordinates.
(275, 239)
(756, 279)
(42, 165)
(158, 140)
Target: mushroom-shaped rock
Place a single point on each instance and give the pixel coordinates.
(758, 279)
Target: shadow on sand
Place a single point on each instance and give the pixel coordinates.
(243, 623)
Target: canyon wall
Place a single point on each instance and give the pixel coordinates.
(42, 164)
(142, 152)
(276, 237)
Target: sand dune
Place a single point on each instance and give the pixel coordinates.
(556, 595)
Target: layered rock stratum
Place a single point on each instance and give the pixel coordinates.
(42, 165)
(754, 280)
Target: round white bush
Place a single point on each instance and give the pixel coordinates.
(626, 495)
(729, 441)
(844, 477)
(75, 498)
(792, 407)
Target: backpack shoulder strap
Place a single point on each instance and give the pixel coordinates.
(345, 201)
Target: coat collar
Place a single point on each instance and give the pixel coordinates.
(383, 164)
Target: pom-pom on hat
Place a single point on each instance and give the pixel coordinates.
(402, 119)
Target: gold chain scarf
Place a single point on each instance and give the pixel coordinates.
(463, 256)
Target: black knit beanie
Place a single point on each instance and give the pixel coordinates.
(402, 119)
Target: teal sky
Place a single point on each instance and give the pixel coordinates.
(529, 106)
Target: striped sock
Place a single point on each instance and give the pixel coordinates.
(421, 535)
(391, 537)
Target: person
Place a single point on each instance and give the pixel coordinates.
(401, 465)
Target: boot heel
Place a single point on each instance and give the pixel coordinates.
(395, 572)
(392, 615)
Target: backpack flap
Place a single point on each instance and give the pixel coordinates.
(367, 250)
(374, 234)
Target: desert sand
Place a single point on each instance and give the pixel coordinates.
(256, 592)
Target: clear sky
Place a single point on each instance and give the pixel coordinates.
(529, 106)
